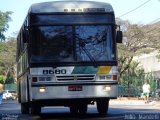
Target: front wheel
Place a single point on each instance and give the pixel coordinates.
(24, 108)
(35, 109)
(73, 109)
(102, 106)
(83, 109)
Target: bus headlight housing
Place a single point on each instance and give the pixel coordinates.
(44, 79)
(102, 77)
(106, 77)
(42, 89)
(107, 88)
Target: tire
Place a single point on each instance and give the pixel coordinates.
(73, 109)
(35, 110)
(19, 92)
(24, 108)
(83, 109)
(102, 106)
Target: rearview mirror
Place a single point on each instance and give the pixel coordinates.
(119, 37)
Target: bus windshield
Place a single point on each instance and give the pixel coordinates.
(72, 38)
(73, 43)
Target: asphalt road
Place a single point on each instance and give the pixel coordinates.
(10, 110)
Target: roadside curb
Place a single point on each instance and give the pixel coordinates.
(157, 104)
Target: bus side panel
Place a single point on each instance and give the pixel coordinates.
(18, 90)
(23, 88)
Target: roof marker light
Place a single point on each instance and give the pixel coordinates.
(65, 10)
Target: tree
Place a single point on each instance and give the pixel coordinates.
(138, 39)
(2, 79)
(7, 59)
(153, 34)
(135, 72)
(4, 19)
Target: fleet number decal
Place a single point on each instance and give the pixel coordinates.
(56, 71)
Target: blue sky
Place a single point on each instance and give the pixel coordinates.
(143, 15)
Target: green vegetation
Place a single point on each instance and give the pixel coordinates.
(7, 61)
(4, 19)
(135, 76)
(138, 40)
(7, 51)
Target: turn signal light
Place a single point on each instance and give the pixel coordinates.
(34, 79)
(115, 77)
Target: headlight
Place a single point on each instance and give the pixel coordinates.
(107, 88)
(41, 79)
(104, 77)
(108, 77)
(45, 79)
(42, 89)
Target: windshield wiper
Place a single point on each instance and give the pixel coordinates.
(82, 45)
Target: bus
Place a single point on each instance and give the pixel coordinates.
(67, 56)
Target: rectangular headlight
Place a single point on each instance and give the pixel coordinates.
(105, 77)
(102, 77)
(108, 77)
(43, 79)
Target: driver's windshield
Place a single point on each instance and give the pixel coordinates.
(73, 43)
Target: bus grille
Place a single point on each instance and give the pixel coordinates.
(75, 77)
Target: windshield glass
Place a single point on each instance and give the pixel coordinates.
(79, 43)
(72, 37)
(94, 43)
(53, 43)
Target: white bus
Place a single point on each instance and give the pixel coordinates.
(67, 56)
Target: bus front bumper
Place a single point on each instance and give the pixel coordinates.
(75, 91)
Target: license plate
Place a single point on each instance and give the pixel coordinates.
(75, 88)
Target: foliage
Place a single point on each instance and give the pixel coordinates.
(4, 19)
(135, 76)
(7, 59)
(7, 49)
(2, 79)
(151, 80)
(10, 79)
(137, 40)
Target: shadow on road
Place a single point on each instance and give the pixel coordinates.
(68, 116)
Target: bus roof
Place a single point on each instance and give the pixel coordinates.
(70, 6)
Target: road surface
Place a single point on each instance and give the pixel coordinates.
(10, 110)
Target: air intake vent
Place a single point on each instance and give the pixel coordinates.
(76, 77)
